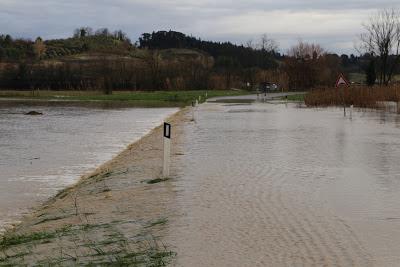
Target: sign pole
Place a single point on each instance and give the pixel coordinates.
(167, 149)
(351, 112)
(342, 82)
(193, 107)
(344, 104)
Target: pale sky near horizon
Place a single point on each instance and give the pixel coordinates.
(333, 24)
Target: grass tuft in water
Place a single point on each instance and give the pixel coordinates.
(158, 180)
(12, 240)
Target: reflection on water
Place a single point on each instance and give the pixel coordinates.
(266, 185)
(42, 154)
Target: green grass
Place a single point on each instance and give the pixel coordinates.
(299, 97)
(114, 250)
(357, 77)
(13, 240)
(161, 221)
(140, 98)
(157, 180)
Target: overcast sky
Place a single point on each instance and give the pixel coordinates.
(333, 24)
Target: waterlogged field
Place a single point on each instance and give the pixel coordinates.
(40, 155)
(278, 185)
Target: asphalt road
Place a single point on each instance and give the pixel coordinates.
(268, 96)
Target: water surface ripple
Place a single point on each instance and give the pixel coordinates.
(269, 185)
(42, 154)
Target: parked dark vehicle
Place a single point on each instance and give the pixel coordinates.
(265, 87)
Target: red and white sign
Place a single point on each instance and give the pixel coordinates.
(341, 81)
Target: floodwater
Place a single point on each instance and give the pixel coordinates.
(40, 155)
(275, 185)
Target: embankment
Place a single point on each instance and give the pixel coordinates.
(118, 214)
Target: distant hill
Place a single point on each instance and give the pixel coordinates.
(20, 49)
(244, 57)
(162, 60)
(96, 43)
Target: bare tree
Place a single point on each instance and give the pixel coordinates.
(267, 44)
(382, 40)
(250, 43)
(153, 61)
(308, 65)
(306, 51)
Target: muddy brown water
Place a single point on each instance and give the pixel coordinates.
(275, 185)
(40, 155)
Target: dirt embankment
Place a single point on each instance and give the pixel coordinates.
(118, 214)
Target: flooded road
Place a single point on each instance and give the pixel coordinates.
(42, 154)
(270, 185)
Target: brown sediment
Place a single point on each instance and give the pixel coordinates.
(113, 215)
(256, 181)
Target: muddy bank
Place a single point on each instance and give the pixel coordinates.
(117, 214)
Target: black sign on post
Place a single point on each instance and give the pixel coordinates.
(167, 130)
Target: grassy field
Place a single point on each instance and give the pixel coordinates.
(155, 98)
(297, 98)
(362, 77)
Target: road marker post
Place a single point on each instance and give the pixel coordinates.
(167, 150)
(193, 107)
(351, 112)
(342, 82)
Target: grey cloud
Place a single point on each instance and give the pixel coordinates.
(209, 19)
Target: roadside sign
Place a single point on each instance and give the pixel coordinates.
(167, 130)
(341, 81)
(167, 149)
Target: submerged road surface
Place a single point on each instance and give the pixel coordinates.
(275, 185)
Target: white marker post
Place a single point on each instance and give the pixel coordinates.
(351, 112)
(193, 107)
(167, 149)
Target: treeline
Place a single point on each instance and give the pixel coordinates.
(149, 71)
(165, 60)
(239, 55)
